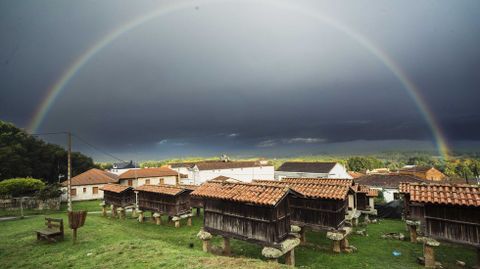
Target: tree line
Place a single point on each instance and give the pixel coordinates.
(23, 155)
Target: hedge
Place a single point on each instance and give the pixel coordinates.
(21, 186)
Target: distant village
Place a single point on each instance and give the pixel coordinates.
(88, 185)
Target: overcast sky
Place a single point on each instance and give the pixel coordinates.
(244, 77)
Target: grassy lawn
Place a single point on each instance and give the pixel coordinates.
(110, 243)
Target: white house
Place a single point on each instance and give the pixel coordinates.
(87, 185)
(244, 171)
(311, 170)
(120, 168)
(150, 176)
(387, 183)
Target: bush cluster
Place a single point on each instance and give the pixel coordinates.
(21, 187)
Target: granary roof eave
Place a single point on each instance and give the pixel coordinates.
(289, 192)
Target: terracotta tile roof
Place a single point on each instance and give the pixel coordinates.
(355, 174)
(163, 189)
(189, 187)
(333, 181)
(311, 189)
(117, 188)
(93, 176)
(148, 172)
(310, 167)
(224, 178)
(369, 191)
(464, 195)
(387, 181)
(242, 192)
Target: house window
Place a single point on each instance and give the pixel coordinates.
(95, 190)
(84, 190)
(130, 182)
(73, 192)
(161, 181)
(147, 181)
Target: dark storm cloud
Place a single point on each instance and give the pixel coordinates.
(242, 76)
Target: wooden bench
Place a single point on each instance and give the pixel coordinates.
(53, 231)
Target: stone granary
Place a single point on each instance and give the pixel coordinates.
(173, 201)
(250, 212)
(444, 212)
(119, 197)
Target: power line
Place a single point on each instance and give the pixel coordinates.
(84, 141)
(97, 148)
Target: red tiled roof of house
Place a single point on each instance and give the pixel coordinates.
(465, 195)
(163, 189)
(387, 181)
(148, 172)
(189, 186)
(241, 192)
(117, 188)
(93, 176)
(224, 178)
(369, 191)
(312, 189)
(355, 174)
(334, 181)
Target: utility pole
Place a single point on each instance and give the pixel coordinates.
(69, 171)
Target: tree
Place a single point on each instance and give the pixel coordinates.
(23, 155)
(363, 163)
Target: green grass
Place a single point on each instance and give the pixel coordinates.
(92, 205)
(110, 243)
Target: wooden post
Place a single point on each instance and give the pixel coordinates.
(226, 246)
(354, 222)
(74, 236)
(413, 233)
(206, 245)
(114, 211)
(429, 256)
(69, 171)
(134, 212)
(158, 218)
(303, 236)
(336, 246)
(344, 243)
(104, 210)
(198, 211)
(121, 212)
(141, 216)
(21, 207)
(290, 257)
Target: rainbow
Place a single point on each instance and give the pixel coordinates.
(60, 85)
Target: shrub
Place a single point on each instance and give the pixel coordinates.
(50, 191)
(21, 186)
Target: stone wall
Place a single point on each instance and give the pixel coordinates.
(29, 203)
